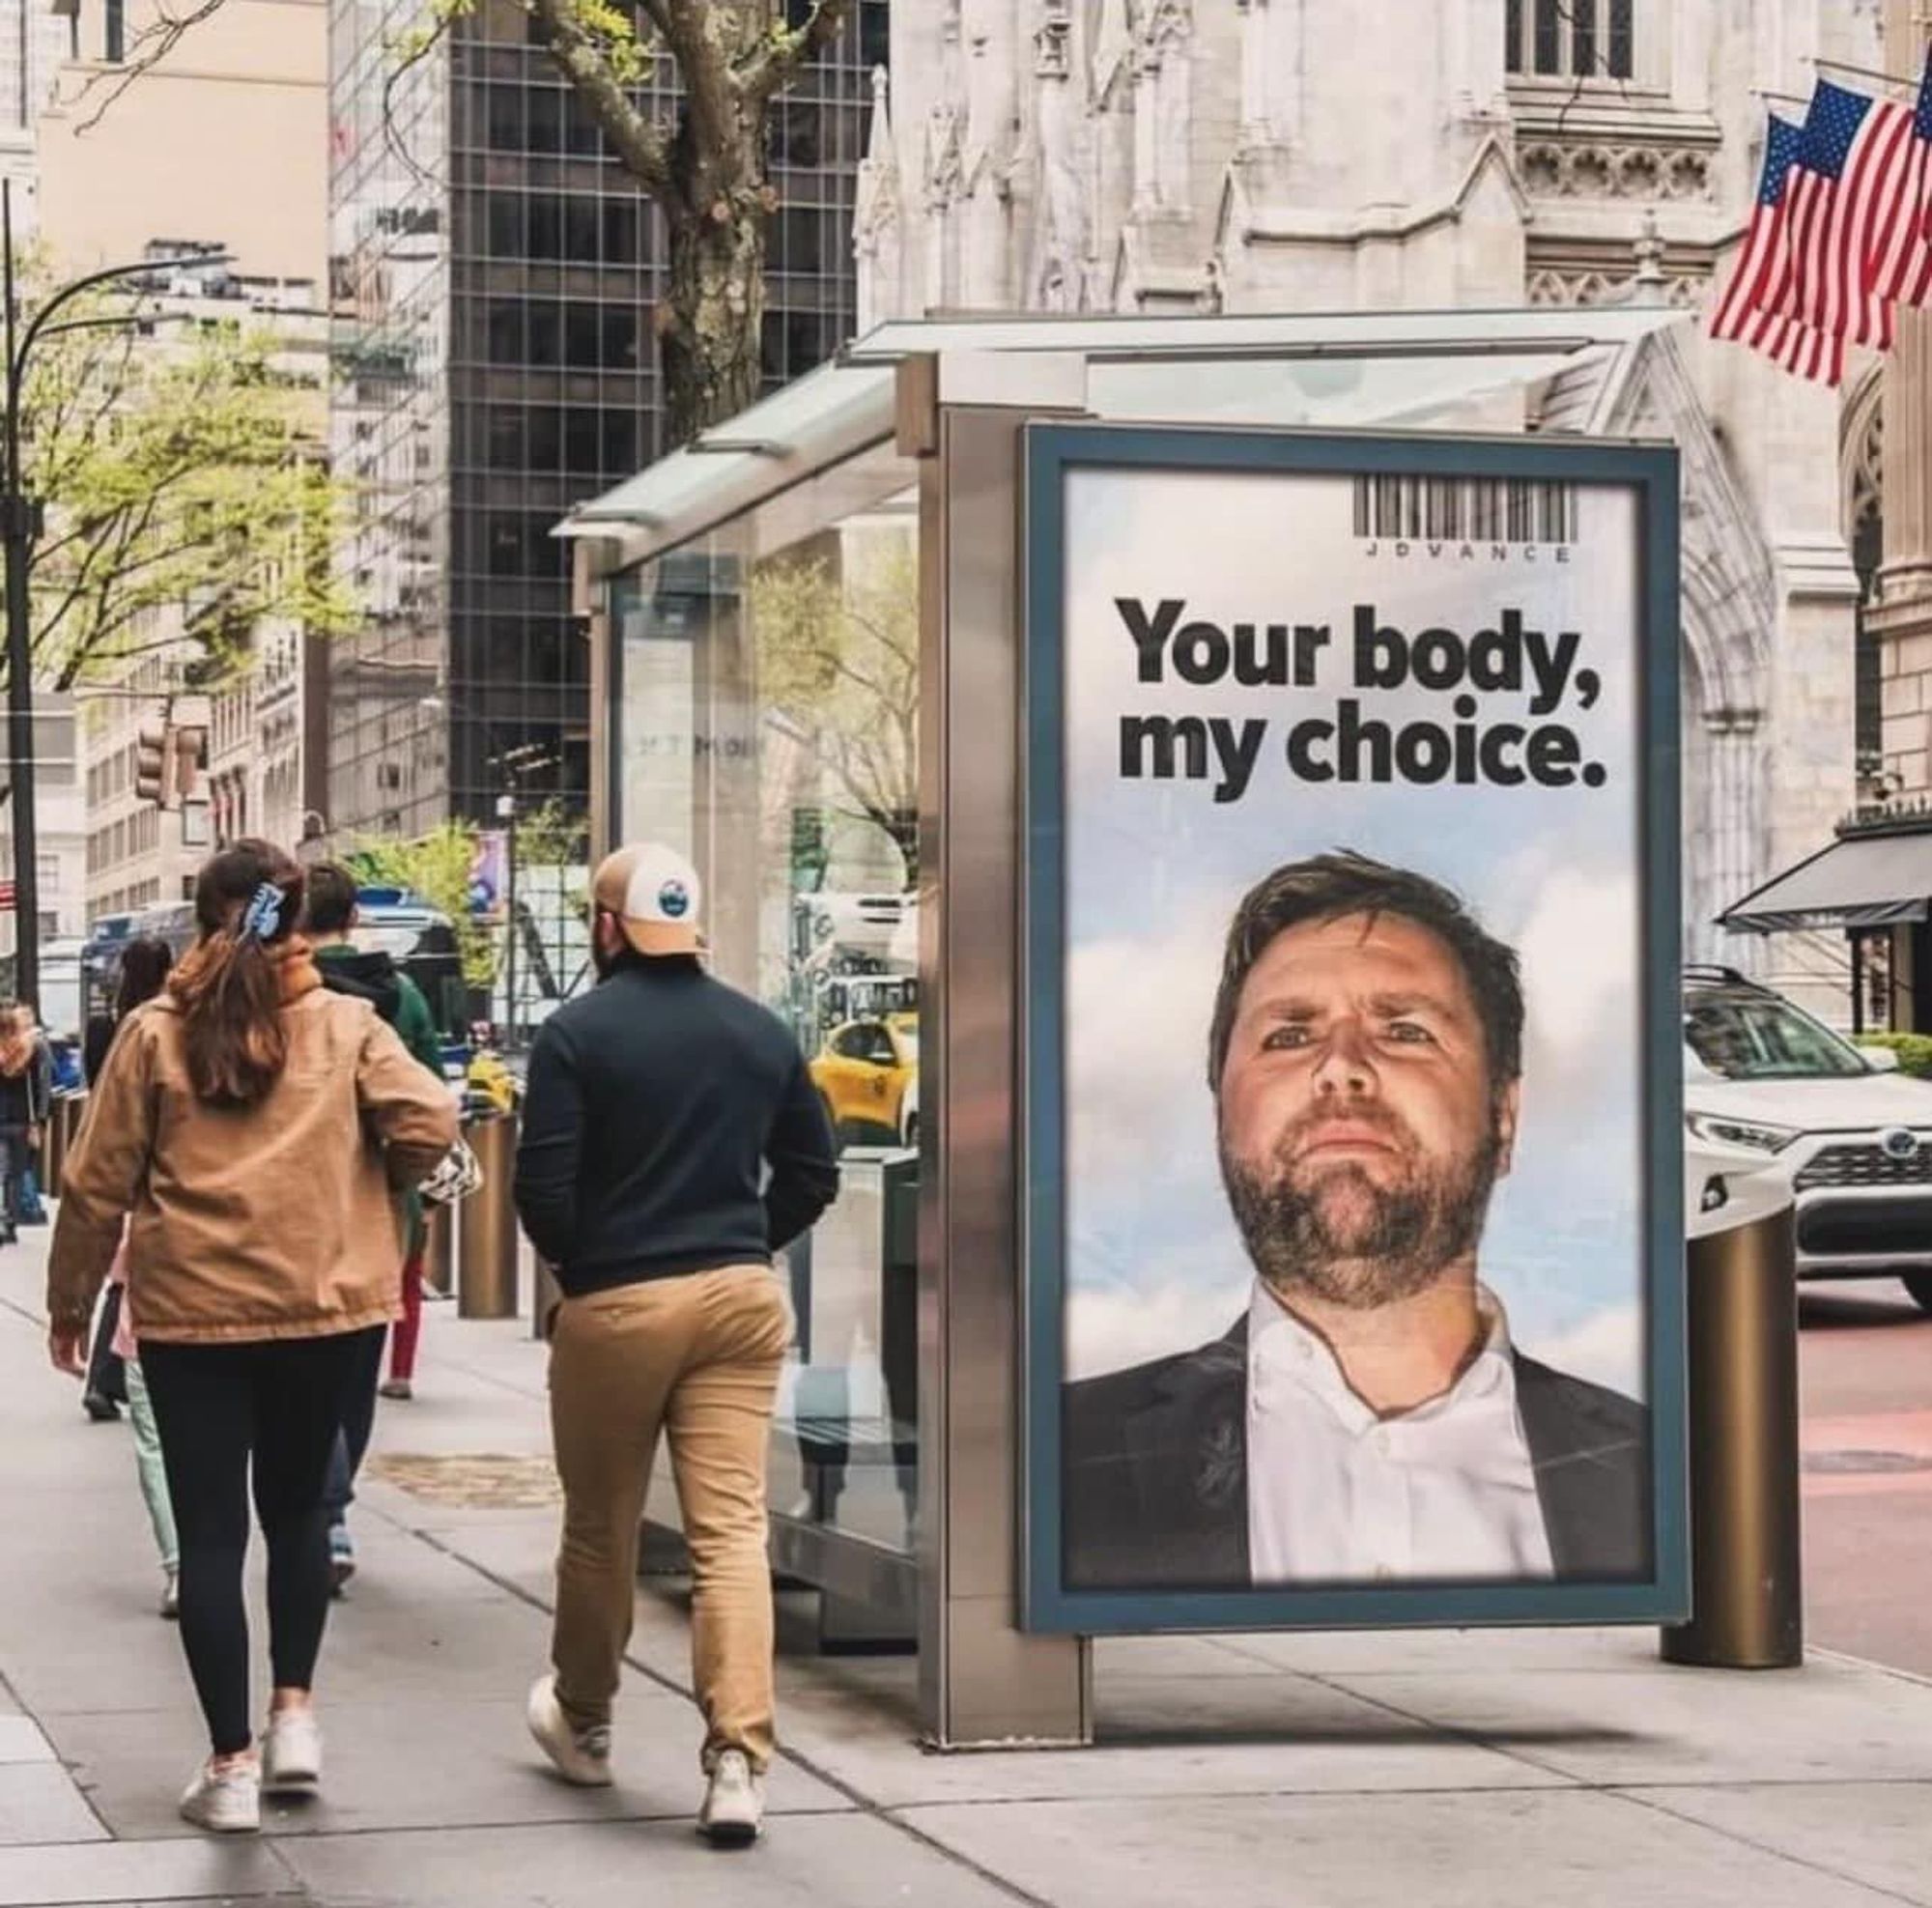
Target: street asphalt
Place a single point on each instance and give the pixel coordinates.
(1335, 1771)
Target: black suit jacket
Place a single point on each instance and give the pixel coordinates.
(1154, 1473)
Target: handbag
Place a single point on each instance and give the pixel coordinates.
(459, 1174)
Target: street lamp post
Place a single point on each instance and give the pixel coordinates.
(19, 530)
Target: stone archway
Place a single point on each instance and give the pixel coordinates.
(1861, 485)
(1728, 613)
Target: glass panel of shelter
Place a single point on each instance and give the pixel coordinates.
(767, 704)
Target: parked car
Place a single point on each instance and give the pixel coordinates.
(1851, 1134)
(868, 1075)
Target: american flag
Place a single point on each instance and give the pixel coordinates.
(1854, 196)
(1744, 312)
(1903, 270)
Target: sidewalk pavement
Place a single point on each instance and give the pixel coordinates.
(1338, 1771)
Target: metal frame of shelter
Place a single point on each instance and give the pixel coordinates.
(956, 396)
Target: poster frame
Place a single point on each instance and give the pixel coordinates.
(1050, 452)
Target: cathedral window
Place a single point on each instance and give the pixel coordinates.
(1570, 39)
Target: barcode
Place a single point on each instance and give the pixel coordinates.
(1465, 509)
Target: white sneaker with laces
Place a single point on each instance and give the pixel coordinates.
(578, 1756)
(291, 1753)
(226, 1802)
(734, 1814)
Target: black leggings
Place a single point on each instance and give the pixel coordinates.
(280, 1400)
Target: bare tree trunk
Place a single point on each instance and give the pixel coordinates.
(711, 326)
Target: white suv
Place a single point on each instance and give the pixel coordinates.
(1851, 1134)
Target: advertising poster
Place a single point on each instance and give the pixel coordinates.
(1353, 1238)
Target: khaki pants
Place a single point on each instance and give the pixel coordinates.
(698, 1357)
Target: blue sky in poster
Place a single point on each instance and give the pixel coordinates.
(1155, 868)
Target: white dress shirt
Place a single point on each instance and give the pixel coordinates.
(1337, 1493)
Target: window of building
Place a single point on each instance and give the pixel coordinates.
(504, 446)
(801, 240)
(115, 37)
(504, 119)
(875, 34)
(621, 231)
(580, 230)
(545, 335)
(506, 236)
(546, 225)
(581, 337)
(796, 130)
(541, 437)
(582, 444)
(621, 444)
(503, 333)
(1570, 39)
(544, 118)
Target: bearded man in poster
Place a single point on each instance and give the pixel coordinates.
(1367, 1420)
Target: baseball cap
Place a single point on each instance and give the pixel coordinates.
(655, 893)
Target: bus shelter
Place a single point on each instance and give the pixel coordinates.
(809, 669)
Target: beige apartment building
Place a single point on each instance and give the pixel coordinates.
(220, 147)
(225, 140)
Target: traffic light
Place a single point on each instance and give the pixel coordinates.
(153, 764)
(190, 757)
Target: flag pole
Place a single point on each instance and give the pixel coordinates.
(1864, 72)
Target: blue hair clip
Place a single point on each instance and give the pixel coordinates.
(264, 915)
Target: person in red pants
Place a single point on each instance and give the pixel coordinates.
(330, 922)
(406, 1331)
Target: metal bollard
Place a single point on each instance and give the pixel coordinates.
(545, 1295)
(486, 1252)
(1747, 1602)
(439, 1249)
(63, 1121)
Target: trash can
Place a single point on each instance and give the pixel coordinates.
(1746, 1562)
(486, 1246)
(62, 1123)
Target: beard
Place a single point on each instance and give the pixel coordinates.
(1333, 1234)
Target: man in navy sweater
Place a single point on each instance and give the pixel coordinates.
(673, 1142)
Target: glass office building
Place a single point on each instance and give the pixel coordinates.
(493, 273)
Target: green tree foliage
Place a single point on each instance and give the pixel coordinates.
(837, 655)
(183, 492)
(436, 866)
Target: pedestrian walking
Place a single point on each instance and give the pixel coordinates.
(673, 1142)
(23, 1109)
(145, 962)
(32, 1210)
(253, 1125)
(329, 920)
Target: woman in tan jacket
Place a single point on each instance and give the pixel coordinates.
(250, 1124)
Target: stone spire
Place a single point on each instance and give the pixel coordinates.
(875, 216)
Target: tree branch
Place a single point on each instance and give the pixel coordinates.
(789, 50)
(639, 142)
(151, 46)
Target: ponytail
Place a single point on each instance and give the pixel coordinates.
(228, 986)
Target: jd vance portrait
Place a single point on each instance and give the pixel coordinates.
(1367, 1419)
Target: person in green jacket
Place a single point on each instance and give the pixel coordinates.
(329, 920)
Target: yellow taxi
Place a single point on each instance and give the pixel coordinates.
(868, 1075)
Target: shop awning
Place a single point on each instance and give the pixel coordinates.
(1860, 881)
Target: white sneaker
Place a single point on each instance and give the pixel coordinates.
(580, 1755)
(734, 1814)
(227, 1802)
(291, 1753)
